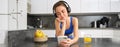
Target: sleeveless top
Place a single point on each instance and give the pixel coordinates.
(69, 31)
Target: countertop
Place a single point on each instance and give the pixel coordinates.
(24, 38)
(112, 28)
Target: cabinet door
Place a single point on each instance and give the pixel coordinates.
(39, 6)
(89, 6)
(115, 6)
(104, 5)
(74, 5)
(3, 7)
(13, 15)
(22, 14)
(50, 5)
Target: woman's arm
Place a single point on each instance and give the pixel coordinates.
(59, 31)
(75, 32)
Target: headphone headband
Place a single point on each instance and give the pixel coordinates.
(66, 5)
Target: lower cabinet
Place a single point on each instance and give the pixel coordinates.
(94, 33)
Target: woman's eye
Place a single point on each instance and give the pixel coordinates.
(58, 14)
(62, 11)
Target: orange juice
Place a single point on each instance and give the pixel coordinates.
(87, 39)
(87, 45)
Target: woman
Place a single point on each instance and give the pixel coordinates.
(65, 25)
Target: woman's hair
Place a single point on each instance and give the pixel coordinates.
(61, 3)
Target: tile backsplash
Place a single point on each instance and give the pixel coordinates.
(41, 21)
(47, 22)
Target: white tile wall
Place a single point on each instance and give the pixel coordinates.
(3, 38)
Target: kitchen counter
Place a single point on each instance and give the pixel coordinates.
(113, 28)
(24, 38)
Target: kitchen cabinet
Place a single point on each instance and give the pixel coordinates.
(77, 6)
(88, 6)
(45, 7)
(94, 33)
(74, 5)
(116, 36)
(104, 6)
(97, 33)
(39, 6)
(115, 6)
(50, 5)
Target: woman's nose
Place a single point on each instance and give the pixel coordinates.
(61, 15)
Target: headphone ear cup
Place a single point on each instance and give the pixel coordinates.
(69, 9)
(67, 6)
(55, 15)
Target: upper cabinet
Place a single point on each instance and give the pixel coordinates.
(50, 5)
(46, 6)
(93, 6)
(77, 6)
(88, 6)
(115, 6)
(104, 5)
(74, 5)
(39, 6)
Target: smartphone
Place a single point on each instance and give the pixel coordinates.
(60, 38)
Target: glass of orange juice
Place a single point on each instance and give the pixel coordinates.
(87, 38)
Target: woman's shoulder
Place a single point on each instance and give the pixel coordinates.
(74, 18)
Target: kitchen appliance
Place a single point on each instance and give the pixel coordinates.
(102, 23)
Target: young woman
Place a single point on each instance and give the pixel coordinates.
(65, 25)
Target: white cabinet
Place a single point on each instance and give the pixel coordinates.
(89, 6)
(116, 36)
(104, 6)
(46, 7)
(74, 5)
(50, 5)
(77, 6)
(115, 6)
(96, 33)
(39, 6)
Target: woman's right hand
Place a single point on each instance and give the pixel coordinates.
(61, 20)
(64, 43)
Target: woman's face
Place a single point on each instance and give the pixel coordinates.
(61, 12)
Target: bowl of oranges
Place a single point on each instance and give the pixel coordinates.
(39, 36)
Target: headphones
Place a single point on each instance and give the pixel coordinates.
(66, 6)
